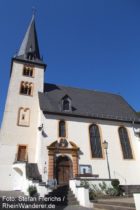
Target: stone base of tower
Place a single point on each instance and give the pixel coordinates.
(14, 178)
(18, 175)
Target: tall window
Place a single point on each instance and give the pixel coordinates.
(28, 70)
(95, 141)
(22, 153)
(125, 143)
(62, 129)
(26, 88)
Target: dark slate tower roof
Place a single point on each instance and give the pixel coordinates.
(29, 49)
(30, 42)
(86, 103)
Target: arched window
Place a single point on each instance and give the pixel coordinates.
(24, 116)
(28, 70)
(26, 88)
(95, 141)
(62, 129)
(30, 89)
(125, 143)
(31, 55)
(66, 103)
(22, 87)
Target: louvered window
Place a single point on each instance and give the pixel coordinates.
(26, 88)
(28, 71)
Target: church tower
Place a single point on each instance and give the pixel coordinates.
(19, 131)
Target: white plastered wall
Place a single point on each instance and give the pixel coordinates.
(11, 134)
(127, 171)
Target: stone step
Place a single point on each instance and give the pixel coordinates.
(98, 209)
(62, 191)
(42, 184)
(72, 200)
(71, 197)
(73, 203)
(69, 193)
(62, 194)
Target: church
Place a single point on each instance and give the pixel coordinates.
(53, 133)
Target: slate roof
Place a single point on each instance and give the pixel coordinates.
(30, 44)
(86, 103)
(138, 114)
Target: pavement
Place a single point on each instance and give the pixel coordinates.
(126, 200)
(77, 208)
(115, 203)
(73, 208)
(120, 200)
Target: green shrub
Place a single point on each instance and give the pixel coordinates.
(103, 189)
(32, 190)
(116, 185)
(85, 184)
(94, 190)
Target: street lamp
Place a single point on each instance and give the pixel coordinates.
(105, 146)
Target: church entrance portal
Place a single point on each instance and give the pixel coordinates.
(63, 161)
(63, 170)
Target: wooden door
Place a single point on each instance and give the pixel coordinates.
(64, 171)
(22, 153)
(63, 174)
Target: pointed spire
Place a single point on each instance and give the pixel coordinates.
(29, 48)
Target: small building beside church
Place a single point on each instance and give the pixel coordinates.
(54, 133)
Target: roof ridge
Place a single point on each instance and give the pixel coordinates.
(78, 88)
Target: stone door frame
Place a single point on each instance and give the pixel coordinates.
(54, 151)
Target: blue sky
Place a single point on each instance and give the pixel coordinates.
(92, 44)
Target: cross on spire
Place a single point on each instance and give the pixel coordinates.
(34, 11)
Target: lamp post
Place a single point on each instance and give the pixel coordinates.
(105, 146)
